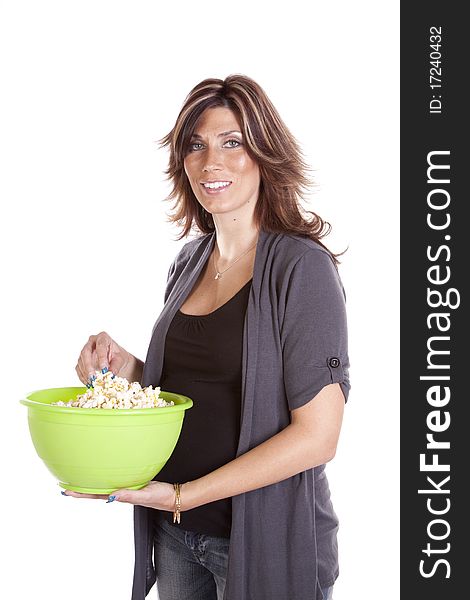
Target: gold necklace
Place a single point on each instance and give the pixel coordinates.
(218, 274)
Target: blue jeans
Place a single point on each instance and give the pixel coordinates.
(193, 566)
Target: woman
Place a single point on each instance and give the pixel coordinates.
(254, 330)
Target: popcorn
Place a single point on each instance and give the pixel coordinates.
(112, 392)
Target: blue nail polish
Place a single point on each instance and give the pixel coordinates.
(110, 499)
(63, 493)
(113, 376)
(104, 370)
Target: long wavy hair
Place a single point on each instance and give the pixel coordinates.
(268, 141)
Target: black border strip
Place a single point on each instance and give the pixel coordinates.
(434, 262)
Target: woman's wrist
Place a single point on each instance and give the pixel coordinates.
(187, 496)
(138, 369)
(133, 369)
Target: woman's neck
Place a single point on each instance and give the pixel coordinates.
(231, 244)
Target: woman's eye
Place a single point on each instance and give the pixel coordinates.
(235, 145)
(192, 146)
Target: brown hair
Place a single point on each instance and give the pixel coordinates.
(268, 142)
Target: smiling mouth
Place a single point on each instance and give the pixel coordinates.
(215, 185)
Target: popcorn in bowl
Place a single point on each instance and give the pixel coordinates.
(112, 392)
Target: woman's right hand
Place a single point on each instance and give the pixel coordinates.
(100, 352)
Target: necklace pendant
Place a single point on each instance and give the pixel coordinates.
(218, 276)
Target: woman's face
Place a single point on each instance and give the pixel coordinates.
(222, 175)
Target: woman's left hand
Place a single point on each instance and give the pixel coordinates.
(156, 494)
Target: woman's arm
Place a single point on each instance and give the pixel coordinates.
(309, 440)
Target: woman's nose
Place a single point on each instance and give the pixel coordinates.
(212, 159)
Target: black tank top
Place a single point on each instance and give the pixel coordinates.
(203, 360)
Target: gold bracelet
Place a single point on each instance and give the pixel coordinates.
(176, 512)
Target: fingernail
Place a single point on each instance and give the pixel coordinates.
(110, 499)
(63, 493)
(104, 370)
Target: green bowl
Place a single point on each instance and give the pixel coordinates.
(97, 451)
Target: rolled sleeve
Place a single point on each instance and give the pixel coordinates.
(314, 331)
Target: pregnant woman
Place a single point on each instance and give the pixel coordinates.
(253, 329)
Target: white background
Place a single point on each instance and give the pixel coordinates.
(87, 89)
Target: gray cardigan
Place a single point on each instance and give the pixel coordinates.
(283, 537)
